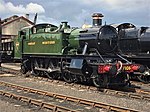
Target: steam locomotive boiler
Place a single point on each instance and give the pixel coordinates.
(102, 38)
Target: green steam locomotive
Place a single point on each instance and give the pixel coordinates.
(74, 54)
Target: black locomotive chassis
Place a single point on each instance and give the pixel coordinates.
(84, 71)
(142, 59)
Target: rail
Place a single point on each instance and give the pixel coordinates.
(126, 91)
(59, 96)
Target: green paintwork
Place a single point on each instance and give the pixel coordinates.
(17, 47)
(40, 48)
(41, 42)
(74, 38)
(18, 42)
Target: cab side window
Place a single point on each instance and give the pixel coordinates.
(23, 34)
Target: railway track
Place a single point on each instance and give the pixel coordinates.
(93, 104)
(123, 92)
(36, 102)
(140, 83)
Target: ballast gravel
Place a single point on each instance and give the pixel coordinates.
(10, 105)
(136, 104)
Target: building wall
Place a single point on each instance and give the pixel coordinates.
(14, 27)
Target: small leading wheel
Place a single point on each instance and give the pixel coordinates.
(144, 78)
(68, 77)
(99, 81)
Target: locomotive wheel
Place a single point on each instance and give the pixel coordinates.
(68, 77)
(52, 75)
(99, 81)
(144, 78)
(23, 69)
(128, 83)
(36, 73)
(49, 75)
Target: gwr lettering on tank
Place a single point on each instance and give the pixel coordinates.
(31, 43)
(48, 42)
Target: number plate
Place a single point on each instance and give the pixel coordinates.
(127, 68)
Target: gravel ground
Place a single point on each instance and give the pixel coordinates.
(15, 67)
(145, 86)
(90, 95)
(51, 100)
(9, 105)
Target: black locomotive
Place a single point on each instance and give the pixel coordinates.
(134, 45)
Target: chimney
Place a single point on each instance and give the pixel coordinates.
(27, 16)
(97, 19)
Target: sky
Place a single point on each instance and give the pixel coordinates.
(78, 12)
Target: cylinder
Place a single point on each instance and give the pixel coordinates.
(97, 19)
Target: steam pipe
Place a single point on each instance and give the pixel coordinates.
(85, 48)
